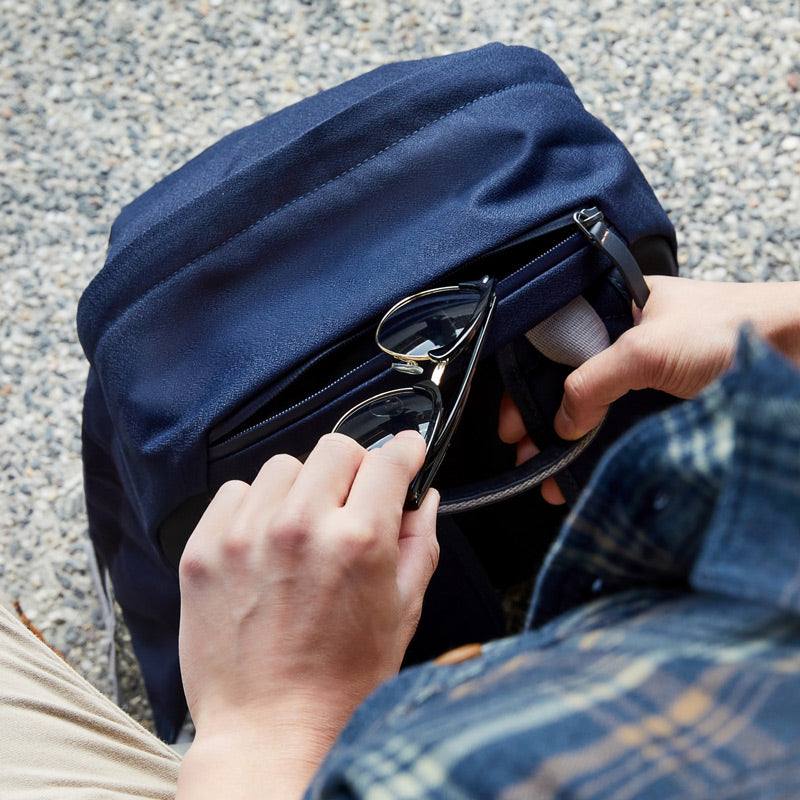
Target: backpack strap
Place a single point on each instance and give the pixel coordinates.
(571, 336)
(514, 481)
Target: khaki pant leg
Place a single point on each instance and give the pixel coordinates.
(61, 738)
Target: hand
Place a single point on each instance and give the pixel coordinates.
(511, 430)
(683, 339)
(299, 596)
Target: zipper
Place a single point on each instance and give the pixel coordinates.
(590, 222)
(239, 422)
(593, 225)
(252, 433)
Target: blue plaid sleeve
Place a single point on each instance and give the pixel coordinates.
(661, 657)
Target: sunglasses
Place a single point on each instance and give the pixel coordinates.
(432, 327)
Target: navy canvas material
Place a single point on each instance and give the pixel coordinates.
(285, 237)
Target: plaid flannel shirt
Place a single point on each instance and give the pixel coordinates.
(662, 652)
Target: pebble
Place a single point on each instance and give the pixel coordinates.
(100, 100)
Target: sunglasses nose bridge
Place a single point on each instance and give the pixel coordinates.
(407, 368)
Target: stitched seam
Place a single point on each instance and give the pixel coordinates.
(260, 161)
(310, 192)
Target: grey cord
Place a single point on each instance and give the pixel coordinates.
(505, 492)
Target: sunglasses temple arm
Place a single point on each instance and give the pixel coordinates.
(441, 442)
(421, 484)
(453, 418)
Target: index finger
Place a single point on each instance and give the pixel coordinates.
(381, 484)
(326, 477)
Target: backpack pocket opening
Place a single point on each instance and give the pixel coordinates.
(348, 363)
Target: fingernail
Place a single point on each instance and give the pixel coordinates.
(409, 434)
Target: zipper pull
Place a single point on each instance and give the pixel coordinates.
(594, 227)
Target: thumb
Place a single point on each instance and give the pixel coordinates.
(598, 382)
(419, 554)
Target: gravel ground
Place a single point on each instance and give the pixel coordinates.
(100, 99)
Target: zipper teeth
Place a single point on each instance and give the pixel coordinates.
(536, 258)
(282, 412)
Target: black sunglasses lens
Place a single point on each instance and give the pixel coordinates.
(429, 322)
(375, 423)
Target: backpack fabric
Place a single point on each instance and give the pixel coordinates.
(234, 316)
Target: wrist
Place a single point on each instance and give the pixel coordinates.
(779, 318)
(266, 748)
(318, 713)
(239, 758)
(240, 769)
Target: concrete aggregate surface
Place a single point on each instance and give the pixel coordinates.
(98, 100)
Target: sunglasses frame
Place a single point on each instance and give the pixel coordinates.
(439, 435)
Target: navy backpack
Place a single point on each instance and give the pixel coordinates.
(234, 317)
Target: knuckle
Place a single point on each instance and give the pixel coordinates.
(575, 388)
(360, 543)
(193, 567)
(634, 343)
(641, 350)
(291, 531)
(396, 457)
(391, 457)
(236, 544)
